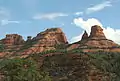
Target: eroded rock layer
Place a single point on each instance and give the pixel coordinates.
(13, 39)
(47, 40)
(96, 41)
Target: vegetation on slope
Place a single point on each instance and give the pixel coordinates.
(74, 65)
(19, 69)
(27, 45)
(108, 62)
(2, 47)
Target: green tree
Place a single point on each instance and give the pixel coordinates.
(19, 69)
(1, 47)
(109, 63)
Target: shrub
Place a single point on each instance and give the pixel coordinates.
(108, 62)
(19, 69)
(2, 47)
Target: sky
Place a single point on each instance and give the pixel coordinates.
(30, 17)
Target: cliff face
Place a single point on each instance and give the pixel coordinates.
(97, 33)
(47, 40)
(13, 39)
(51, 36)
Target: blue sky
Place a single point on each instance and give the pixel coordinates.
(29, 17)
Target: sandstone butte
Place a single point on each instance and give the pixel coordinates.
(96, 41)
(47, 40)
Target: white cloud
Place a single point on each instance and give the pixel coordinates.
(98, 7)
(49, 16)
(113, 34)
(78, 13)
(86, 24)
(5, 22)
(110, 33)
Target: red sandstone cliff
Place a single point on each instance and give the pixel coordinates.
(46, 40)
(13, 39)
(95, 42)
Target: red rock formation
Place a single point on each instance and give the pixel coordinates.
(85, 36)
(97, 32)
(53, 35)
(13, 39)
(47, 40)
(96, 41)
